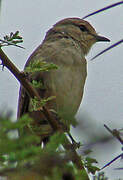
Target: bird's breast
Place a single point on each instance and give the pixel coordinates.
(67, 82)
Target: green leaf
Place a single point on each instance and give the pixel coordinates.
(40, 66)
(92, 169)
(55, 141)
(91, 160)
(38, 104)
(11, 39)
(37, 84)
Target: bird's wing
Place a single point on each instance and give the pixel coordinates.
(24, 99)
(23, 102)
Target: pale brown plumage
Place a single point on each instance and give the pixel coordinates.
(65, 45)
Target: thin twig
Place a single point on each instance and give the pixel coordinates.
(108, 164)
(103, 9)
(10, 43)
(115, 133)
(105, 50)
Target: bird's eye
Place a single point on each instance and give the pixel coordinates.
(83, 28)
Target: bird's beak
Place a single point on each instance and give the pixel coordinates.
(101, 38)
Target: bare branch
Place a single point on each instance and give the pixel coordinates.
(107, 49)
(103, 9)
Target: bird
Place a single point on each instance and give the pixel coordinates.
(66, 44)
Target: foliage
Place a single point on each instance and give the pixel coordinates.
(37, 105)
(11, 39)
(89, 165)
(40, 66)
(100, 176)
(37, 84)
(20, 154)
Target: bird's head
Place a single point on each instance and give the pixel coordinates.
(79, 30)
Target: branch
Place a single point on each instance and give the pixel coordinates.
(107, 49)
(103, 9)
(115, 133)
(28, 87)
